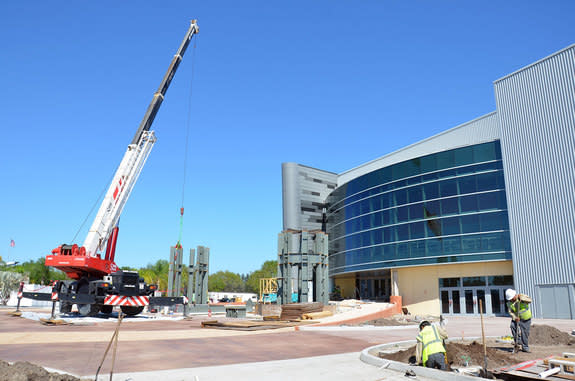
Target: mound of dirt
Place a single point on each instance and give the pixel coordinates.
(547, 335)
(544, 341)
(389, 322)
(25, 371)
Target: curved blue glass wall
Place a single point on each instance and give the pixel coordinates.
(441, 208)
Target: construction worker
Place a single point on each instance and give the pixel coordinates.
(430, 350)
(519, 307)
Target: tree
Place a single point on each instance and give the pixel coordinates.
(268, 270)
(157, 274)
(225, 281)
(38, 272)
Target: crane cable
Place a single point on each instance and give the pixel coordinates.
(188, 123)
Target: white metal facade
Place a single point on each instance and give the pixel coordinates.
(536, 110)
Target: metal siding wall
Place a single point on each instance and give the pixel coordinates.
(536, 108)
(290, 196)
(480, 130)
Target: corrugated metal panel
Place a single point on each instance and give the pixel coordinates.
(480, 130)
(536, 108)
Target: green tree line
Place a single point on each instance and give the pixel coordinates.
(157, 273)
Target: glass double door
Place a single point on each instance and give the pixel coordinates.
(466, 300)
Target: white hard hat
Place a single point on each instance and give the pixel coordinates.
(510, 293)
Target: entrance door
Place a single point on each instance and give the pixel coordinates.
(450, 302)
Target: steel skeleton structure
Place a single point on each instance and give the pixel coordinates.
(302, 266)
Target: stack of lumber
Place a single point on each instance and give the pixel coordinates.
(245, 325)
(316, 315)
(295, 311)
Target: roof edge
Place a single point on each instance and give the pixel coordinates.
(534, 63)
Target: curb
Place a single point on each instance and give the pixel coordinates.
(437, 374)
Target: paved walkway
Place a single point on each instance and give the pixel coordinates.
(182, 350)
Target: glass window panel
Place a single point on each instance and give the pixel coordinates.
(500, 280)
(467, 184)
(386, 217)
(474, 281)
(389, 252)
(481, 301)
(491, 242)
(447, 173)
(434, 247)
(456, 301)
(375, 219)
(449, 206)
(377, 237)
(431, 190)
(463, 156)
(450, 226)
(364, 222)
(490, 221)
(501, 200)
(403, 250)
(389, 234)
(448, 188)
(468, 204)
(402, 214)
(468, 301)
(487, 201)
(449, 282)
(444, 302)
(433, 227)
(452, 245)
(366, 239)
(402, 232)
(470, 224)
(471, 244)
(417, 249)
(400, 197)
(484, 152)
(445, 159)
(429, 177)
(428, 163)
(385, 200)
(432, 209)
(414, 180)
(486, 181)
(415, 194)
(496, 301)
(417, 230)
(375, 203)
(416, 212)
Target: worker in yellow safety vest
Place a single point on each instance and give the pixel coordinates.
(518, 306)
(430, 351)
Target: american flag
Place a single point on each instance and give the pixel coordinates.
(12, 243)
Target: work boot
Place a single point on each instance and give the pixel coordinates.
(526, 350)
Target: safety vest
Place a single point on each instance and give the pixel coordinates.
(431, 342)
(524, 310)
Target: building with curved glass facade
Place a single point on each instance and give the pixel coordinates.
(450, 222)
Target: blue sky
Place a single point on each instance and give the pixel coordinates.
(329, 84)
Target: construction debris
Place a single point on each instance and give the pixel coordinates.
(295, 311)
(316, 315)
(249, 325)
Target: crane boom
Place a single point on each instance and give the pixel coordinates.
(86, 261)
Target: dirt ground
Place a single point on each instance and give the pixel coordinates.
(544, 341)
(25, 371)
